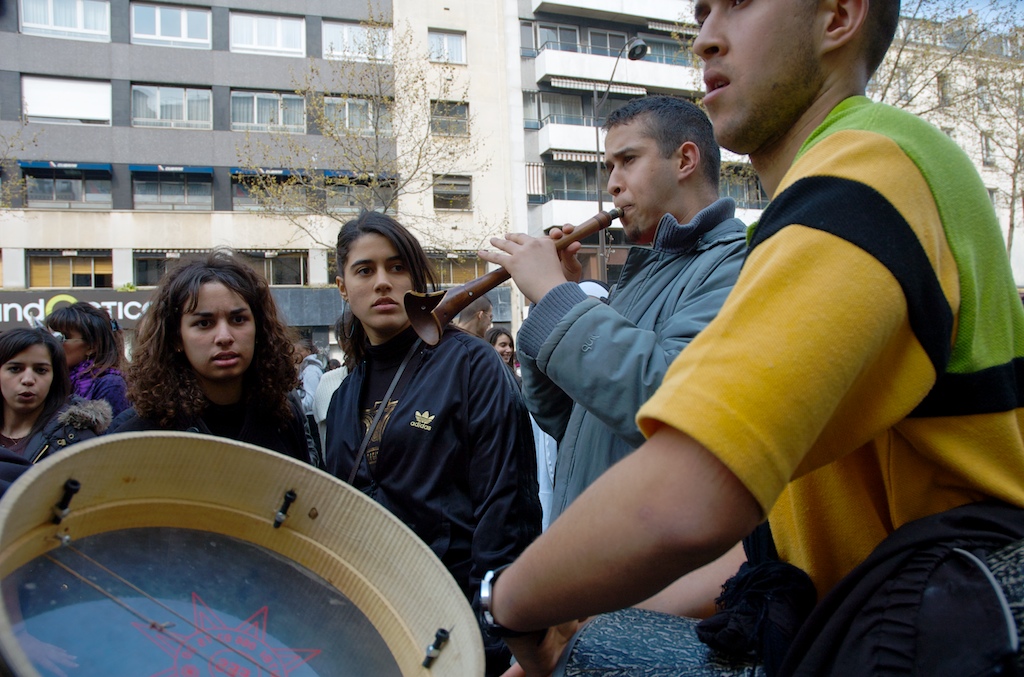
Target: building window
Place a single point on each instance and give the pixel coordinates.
(944, 92)
(358, 116)
(984, 97)
(79, 102)
(739, 183)
(661, 51)
(170, 26)
(447, 47)
(530, 115)
(993, 195)
(172, 190)
(49, 188)
(149, 268)
(567, 182)
(608, 43)
(988, 157)
(286, 196)
(280, 269)
(554, 36)
(453, 192)
(69, 270)
(78, 19)
(243, 195)
(448, 118)
(345, 196)
(268, 112)
(175, 107)
(457, 267)
(563, 109)
(903, 84)
(356, 42)
(266, 34)
(526, 44)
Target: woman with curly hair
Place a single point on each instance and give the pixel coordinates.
(94, 349)
(212, 356)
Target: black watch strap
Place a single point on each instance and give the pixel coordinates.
(487, 622)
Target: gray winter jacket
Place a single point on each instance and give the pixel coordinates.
(588, 367)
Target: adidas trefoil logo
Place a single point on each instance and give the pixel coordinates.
(423, 420)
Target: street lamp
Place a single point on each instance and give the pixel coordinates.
(637, 49)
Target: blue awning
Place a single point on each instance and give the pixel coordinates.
(170, 168)
(50, 164)
(349, 174)
(266, 171)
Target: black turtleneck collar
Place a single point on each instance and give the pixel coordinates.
(392, 351)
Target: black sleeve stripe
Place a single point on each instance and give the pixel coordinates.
(987, 391)
(860, 215)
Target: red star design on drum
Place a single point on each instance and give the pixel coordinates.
(241, 651)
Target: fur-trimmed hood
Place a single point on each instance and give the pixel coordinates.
(94, 415)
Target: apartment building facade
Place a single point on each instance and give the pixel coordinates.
(576, 66)
(135, 114)
(134, 118)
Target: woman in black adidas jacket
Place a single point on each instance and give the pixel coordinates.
(452, 453)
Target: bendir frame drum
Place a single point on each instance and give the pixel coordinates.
(180, 555)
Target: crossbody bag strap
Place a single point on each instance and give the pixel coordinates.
(381, 408)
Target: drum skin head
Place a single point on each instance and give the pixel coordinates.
(186, 481)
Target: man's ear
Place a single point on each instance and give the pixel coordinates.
(688, 156)
(341, 288)
(844, 20)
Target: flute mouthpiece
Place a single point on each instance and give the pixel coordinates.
(614, 213)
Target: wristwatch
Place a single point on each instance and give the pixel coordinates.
(487, 622)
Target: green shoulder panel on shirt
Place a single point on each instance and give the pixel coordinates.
(990, 318)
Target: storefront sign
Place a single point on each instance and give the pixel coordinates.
(19, 309)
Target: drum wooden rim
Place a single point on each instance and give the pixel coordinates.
(186, 480)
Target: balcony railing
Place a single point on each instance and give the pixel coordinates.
(573, 195)
(559, 119)
(680, 58)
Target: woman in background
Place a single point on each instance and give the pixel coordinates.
(39, 416)
(212, 356)
(438, 435)
(94, 350)
(501, 340)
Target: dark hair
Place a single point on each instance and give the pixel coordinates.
(339, 331)
(671, 122)
(106, 346)
(162, 384)
(306, 344)
(880, 26)
(492, 336)
(333, 364)
(479, 304)
(14, 341)
(353, 338)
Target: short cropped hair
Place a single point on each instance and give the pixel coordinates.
(671, 122)
(880, 26)
(481, 303)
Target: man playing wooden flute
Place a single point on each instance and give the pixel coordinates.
(587, 366)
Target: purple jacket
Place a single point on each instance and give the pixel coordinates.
(109, 386)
